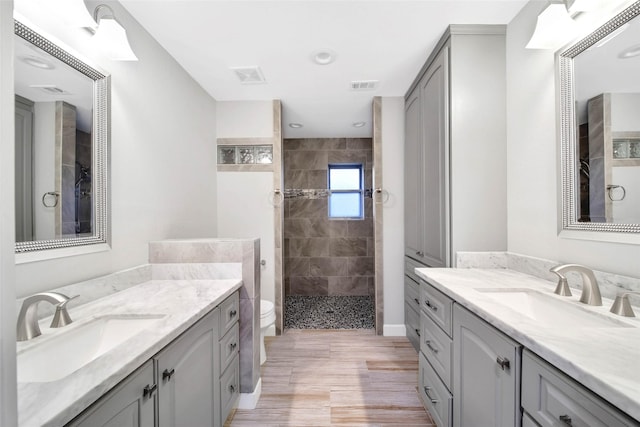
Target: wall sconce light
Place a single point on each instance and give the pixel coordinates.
(111, 36)
(75, 13)
(576, 6)
(554, 28)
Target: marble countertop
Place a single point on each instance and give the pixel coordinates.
(604, 359)
(181, 303)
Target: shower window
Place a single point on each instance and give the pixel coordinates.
(346, 195)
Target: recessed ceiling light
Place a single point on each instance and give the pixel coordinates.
(34, 61)
(324, 57)
(295, 125)
(630, 52)
(358, 124)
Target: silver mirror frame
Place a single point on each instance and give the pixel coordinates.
(101, 143)
(568, 134)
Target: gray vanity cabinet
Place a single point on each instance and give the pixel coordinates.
(486, 374)
(455, 148)
(412, 302)
(126, 405)
(551, 398)
(435, 368)
(193, 381)
(186, 387)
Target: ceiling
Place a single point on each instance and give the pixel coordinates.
(384, 40)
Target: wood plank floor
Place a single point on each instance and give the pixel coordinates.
(337, 378)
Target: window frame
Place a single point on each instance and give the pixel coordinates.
(359, 191)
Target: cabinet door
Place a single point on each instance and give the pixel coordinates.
(435, 158)
(186, 373)
(127, 405)
(412, 176)
(486, 374)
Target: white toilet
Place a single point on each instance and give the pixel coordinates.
(267, 318)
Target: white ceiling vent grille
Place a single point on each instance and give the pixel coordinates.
(50, 89)
(364, 84)
(249, 75)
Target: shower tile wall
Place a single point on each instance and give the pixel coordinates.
(325, 256)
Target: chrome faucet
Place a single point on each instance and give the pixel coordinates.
(28, 327)
(621, 306)
(590, 290)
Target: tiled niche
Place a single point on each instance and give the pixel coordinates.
(325, 256)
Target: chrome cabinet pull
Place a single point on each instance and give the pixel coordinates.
(149, 390)
(426, 391)
(432, 348)
(418, 332)
(566, 419)
(419, 253)
(431, 306)
(232, 388)
(232, 346)
(167, 374)
(503, 362)
(232, 314)
(417, 301)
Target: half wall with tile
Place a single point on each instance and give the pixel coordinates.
(206, 258)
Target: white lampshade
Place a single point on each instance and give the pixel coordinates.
(584, 5)
(112, 39)
(75, 13)
(553, 29)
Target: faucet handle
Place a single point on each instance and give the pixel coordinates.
(563, 285)
(622, 306)
(61, 317)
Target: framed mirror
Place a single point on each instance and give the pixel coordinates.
(599, 100)
(62, 145)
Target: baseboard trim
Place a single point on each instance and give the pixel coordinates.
(394, 330)
(250, 400)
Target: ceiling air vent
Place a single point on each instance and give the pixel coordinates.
(364, 84)
(249, 75)
(50, 89)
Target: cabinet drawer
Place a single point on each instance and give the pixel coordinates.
(229, 389)
(437, 305)
(434, 394)
(412, 292)
(412, 323)
(550, 397)
(437, 347)
(229, 347)
(527, 421)
(409, 268)
(229, 313)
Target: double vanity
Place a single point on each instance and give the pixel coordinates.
(498, 347)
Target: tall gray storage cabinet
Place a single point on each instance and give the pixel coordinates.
(455, 153)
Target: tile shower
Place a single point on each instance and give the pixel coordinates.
(328, 263)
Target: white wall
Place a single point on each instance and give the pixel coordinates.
(163, 163)
(393, 211)
(532, 156)
(245, 198)
(8, 399)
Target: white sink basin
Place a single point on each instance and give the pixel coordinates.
(64, 352)
(549, 311)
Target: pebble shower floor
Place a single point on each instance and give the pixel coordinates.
(328, 312)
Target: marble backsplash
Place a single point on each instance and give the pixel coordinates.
(610, 284)
(93, 289)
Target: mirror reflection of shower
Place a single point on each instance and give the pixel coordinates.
(83, 201)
